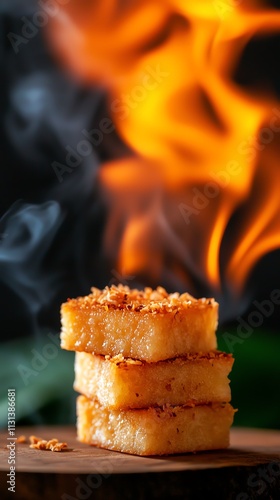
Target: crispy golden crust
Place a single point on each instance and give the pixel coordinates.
(148, 300)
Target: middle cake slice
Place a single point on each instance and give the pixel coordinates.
(123, 383)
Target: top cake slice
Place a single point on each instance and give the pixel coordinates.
(150, 325)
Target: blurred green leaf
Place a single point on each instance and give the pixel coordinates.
(43, 379)
(255, 378)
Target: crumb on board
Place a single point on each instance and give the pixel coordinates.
(22, 439)
(38, 443)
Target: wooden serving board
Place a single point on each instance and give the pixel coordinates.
(250, 468)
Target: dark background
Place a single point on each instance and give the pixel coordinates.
(51, 232)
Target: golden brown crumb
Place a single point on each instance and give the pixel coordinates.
(51, 443)
(59, 447)
(147, 300)
(42, 444)
(34, 439)
(21, 439)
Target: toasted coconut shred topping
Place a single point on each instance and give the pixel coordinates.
(147, 300)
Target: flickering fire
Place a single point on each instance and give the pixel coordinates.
(198, 197)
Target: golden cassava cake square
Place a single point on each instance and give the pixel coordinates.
(149, 325)
(122, 383)
(154, 431)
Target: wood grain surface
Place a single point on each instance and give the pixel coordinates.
(88, 472)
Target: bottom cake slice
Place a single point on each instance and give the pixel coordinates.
(155, 431)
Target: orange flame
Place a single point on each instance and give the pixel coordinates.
(204, 166)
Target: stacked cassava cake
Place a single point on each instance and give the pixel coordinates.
(150, 377)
